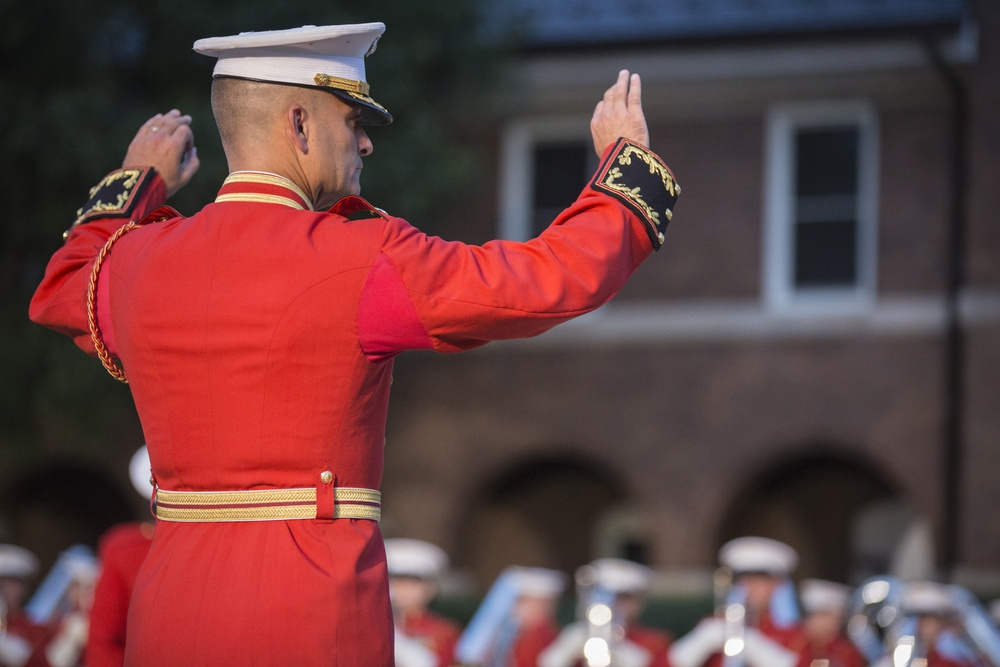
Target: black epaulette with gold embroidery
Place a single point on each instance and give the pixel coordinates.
(639, 179)
(115, 196)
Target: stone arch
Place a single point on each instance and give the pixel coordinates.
(56, 505)
(844, 515)
(549, 511)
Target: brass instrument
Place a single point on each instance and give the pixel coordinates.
(734, 613)
(882, 628)
(875, 620)
(596, 608)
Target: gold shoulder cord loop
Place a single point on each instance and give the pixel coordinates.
(95, 331)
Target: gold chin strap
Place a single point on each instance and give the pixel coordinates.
(340, 83)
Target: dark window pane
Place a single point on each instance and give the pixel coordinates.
(825, 254)
(827, 161)
(560, 174)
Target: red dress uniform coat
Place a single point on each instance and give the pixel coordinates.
(258, 338)
(437, 633)
(840, 652)
(38, 636)
(530, 643)
(657, 642)
(122, 551)
(935, 659)
(792, 637)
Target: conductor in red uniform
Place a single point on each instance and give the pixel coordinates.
(258, 337)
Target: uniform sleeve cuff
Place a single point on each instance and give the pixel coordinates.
(636, 177)
(116, 196)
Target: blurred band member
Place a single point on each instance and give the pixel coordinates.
(931, 606)
(22, 642)
(121, 551)
(626, 582)
(758, 626)
(422, 637)
(823, 604)
(531, 626)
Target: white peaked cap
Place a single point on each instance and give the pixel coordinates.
(759, 555)
(537, 581)
(17, 562)
(818, 595)
(140, 474)
(331, 57)
(621, 576)
(84, 570)
(414, 558)
(927, 597)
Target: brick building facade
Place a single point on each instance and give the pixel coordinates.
(801, 360)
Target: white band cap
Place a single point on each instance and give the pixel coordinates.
(140, 473)
(819, 595)
(537, 581)
(758, 555)
(414, 558)
(621, 576)
(303, 57)
(17, 562)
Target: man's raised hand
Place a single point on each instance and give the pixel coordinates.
(166, 143)
(619, 114)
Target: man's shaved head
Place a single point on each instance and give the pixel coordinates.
(245, 110)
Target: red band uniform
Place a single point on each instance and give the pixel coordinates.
(258, 337)
(121, 550)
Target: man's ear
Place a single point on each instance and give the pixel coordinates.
(296, 127)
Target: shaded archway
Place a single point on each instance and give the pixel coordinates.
(55, 506)
(818, 502)
(543, 512)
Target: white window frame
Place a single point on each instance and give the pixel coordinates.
(517, 167)
(782, 123)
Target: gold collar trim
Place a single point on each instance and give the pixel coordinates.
(260, 198)
(267, 179)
